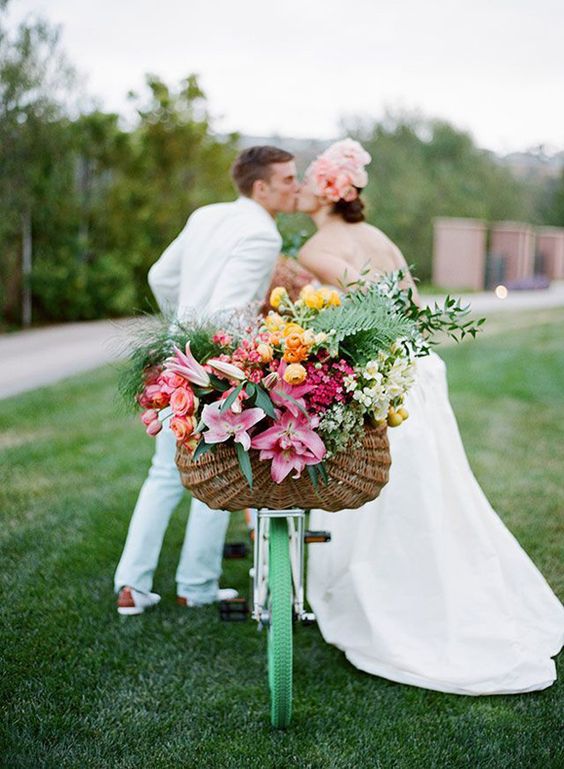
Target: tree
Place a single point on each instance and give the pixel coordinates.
(32, 71)
(176, 164)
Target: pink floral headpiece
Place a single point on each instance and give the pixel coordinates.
(338, 171)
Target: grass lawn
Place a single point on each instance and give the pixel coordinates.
(83, 688)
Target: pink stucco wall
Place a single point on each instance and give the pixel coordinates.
(514, 241)
(550, 244)
(459, 253)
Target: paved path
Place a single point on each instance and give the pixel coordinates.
(486, 301)
(31, 359)
(44, 356)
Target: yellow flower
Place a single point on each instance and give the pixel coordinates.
(277, 295)
(295, 374)
(306, 290)
(325, 292)
(314, 300)
(274, 322)
(334, 299)
(292, 328)
(265, 351)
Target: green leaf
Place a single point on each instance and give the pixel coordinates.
(219, 384)
(245, 463)
(323, 472)
(200, 426)
(282, 394)
(202, 448)
(263, 401)
(312, 472)
(228, 402)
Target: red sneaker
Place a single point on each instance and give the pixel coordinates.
(131, 601)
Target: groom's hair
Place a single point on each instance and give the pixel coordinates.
(256, 163)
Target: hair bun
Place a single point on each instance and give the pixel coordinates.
(351, 211)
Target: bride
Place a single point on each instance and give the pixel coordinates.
(425, 585)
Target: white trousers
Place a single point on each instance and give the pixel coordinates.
(199, 567)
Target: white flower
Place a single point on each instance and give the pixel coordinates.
(309, 337)
(371, 370)
(381, 411)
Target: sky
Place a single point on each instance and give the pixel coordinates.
(301, 67)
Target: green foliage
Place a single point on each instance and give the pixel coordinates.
(102, 203)
(449, 318)
(364, 323)
(153, 340)
(295, 230)
(552, 204)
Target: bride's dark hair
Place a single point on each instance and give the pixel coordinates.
(352, 211)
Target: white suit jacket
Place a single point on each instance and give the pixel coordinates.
(224, 257)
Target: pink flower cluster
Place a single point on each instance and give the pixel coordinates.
(339, 172)
(249, 358)
(222, 338)
(168, 388)
(291, 442)
(327, 384)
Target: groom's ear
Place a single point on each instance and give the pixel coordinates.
(259, 187)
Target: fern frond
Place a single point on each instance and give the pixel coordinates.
(364, 323)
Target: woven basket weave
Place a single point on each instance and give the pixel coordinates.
(355, 477)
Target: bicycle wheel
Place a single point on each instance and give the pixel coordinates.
(280, 628)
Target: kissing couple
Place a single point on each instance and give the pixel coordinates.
(424, 585)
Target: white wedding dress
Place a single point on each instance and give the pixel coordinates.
(425, 585)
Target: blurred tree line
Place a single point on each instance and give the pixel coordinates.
(86, 205)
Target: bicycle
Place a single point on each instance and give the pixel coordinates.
(278, 596)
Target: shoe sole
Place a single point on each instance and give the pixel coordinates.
(193, 605)
(129, 611)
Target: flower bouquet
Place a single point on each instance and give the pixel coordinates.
(291, 408)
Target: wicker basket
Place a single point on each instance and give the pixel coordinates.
(356, 476)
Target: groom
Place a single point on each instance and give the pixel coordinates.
(223, 258)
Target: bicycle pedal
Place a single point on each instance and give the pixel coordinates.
(316, 536)
(234, 550)
(234, 610)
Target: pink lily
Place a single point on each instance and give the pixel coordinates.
(227, 369)
(154, 427)
(291, 444)
(228, 424)
(187, 366)
(294, 391)
(270, 380)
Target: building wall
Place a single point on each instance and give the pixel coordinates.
(515, 242)
(459, 253)
(550, 245)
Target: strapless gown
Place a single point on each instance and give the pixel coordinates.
(425, 585)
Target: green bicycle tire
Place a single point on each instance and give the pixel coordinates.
(280, 627)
